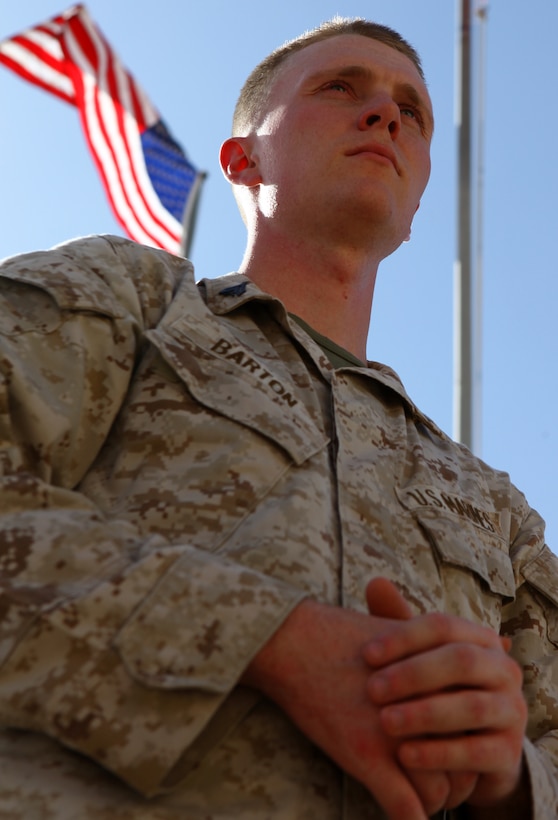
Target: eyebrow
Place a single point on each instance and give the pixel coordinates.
(356, 71)
(363, 73)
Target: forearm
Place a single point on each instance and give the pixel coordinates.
(105, 629)
(273, 668)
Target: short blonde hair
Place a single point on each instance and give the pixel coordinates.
(251, 104)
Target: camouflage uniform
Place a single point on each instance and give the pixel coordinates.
(180, 467)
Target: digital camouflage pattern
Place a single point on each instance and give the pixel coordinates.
(180, 466)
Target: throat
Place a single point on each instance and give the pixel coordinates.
(337, 355)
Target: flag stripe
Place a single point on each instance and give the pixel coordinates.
(36, 66)
(103, 155)
(45, 40)
(147, 177)
(104, 111)
(101, 141)
(123, 141)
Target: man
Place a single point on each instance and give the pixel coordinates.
(243, 575)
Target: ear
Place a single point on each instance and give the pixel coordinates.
(237, 162)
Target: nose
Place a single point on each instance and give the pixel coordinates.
(381, 112)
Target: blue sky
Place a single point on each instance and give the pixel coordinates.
(192, 58)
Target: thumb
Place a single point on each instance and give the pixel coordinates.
(385, 601)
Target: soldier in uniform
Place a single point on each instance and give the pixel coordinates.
(242, 575)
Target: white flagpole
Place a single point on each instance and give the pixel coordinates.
(481, 13)
(463, 403)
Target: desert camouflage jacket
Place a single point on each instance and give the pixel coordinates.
(180, 466)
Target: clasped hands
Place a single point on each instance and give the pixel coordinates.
(450, 698)
(426, 711)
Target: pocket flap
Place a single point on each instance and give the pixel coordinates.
(68, 282)
(459, 542)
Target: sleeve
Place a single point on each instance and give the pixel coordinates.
(532, 622)
(99, 624)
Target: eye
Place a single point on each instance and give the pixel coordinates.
(412, 113)
(336, 85)
(409, 111)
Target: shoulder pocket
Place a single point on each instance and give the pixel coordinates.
(37, 286)
(542, 574)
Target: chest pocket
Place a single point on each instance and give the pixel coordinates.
(475, 568)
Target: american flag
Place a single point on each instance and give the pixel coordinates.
(150, 184)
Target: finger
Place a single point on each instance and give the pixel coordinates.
(433, 788)
(425, 632)
(385, 601)
(419, 634)
(395, 794)
(506, 642)
(462, 786)
(445, 667)
(483, 753)
(454, 713)
(442, 790)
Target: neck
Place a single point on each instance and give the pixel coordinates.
(330, 288)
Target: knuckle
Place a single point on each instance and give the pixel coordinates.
(512, 675)
(441, 626)
(464, 656)
(481, 708)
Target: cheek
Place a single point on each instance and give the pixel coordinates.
(421, 174)
(284, 151)
(268, 200)
(425, 165)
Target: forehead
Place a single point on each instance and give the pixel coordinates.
(342, 50)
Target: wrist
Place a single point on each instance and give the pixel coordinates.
(275, 664)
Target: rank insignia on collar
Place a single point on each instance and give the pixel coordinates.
(234, 290)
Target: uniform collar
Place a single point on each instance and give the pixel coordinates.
(229, 292)
(225, 294)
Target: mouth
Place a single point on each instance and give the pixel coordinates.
(376, 150)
